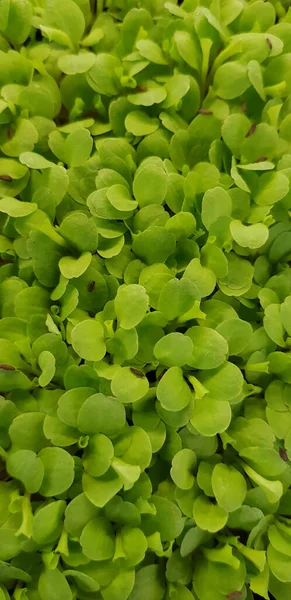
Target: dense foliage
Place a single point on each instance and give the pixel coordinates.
(145, 300)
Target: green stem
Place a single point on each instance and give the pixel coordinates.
(100, 6)
(27, 517)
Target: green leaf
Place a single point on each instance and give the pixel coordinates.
(229, 487)
(154, 245)
(237, 333)
(35, 161)
(151, 51)
(78, 513)
(173, 392)
(209, 348)
(224, 383)
(271, 188)
(176, 88)
(47, 363)
(183, 465)
(100, 491)
(71, 267)
(102, 76)
(120, 587)
(98, 455)
(52, 585)
(203, 277)
(183, 294)
(139, 123)
(118, 195)
(67, 18)
(208, 516)
(88, 340)
(168, 518)
(211, 416)
(58, 471)
(127, 386)
(150, 185)
(173, 350)
(97, 539)
(25, 466)
(273, 490)
(70, 64)
(231, 80)
(216, 203)
(150, 94)
(101, 414)
(279, 564)
(47, 522)
(148, 584)
(249, 236)
(26, 431)
(16, 208)
(131, 305)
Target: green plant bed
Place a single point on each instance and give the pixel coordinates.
(145, 300)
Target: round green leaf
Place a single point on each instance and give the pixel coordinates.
(237, 333)
(101, 414)
(182, 292)
(249, 236)
(16, 208)
(209, 348)
(25, 466)
(26, 431)
(183, 464)
(150, 185)
(53, 584)
(211, 416)
(71, 267)
(88, 340)
(97, 539)
(216, 203)
(139, 123)
(127, 386)
(47, 522)
(173, 392)
(223, 383)
(76, 63)
(118, 195)
(229, 487)
(98, 455)
(231, 80)
(131, 304)
(58, 471)
(173, 350)
(70, 403)
(208, 516)
(152, 93)
(100, 491)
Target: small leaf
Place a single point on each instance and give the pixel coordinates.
(173, 392)
(208, 516)
(71, 267)
(53, 584)
(76, 63)
(127, 386)
(139, 123)
(229, 487)
(151, 51)
(97, 539)
(249, 236)
(47, 363)
(16, 208)
(183, 465)
(25, 466)
(88, 340)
